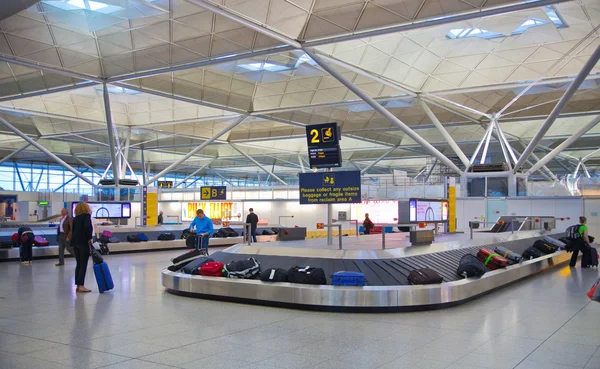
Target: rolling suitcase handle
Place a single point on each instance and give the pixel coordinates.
(199, 244)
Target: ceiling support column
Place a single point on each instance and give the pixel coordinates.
(445, 134)
(383, 111)
(566, 143)
(483, 139)
(16, 152)
(378, 160)
(84, 163)
(46, 151)
(194, 173)
(258, 165)
(301, 164)
(585, 71)
(197, 149)
(113, 138)
(126, 155)
(144, 174)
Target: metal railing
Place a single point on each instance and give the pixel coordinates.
(518, 222)
(339, 227)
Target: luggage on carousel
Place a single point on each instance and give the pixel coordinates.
(183, 260)
(243, 269)
(545, 247)
(114, 239)
(424, 276)
(107, 234)
(212, 269)
(274, 275)
(185, 233)
(194, 266)
(167, 236)
(103, 277)
(268, 232)
(348, 279)
(40, 241)
(553, 241)
(470, 266)
(307, 275)
(143, 237)
(133, 238)
(229, 232)
(532, 253)
(510, 256)
(491, 260)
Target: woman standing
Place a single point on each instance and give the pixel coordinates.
(367, 224)
(81, 241)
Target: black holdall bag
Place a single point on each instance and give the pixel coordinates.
(133, 238)
(424, 276)
(470, 266)
(194, 266)
(243, 269)
(545, 247)
(230, 232)
(190, 241)
(532, 253)
(168, 236)
(274, 275)
(220, 234)
(307, 275)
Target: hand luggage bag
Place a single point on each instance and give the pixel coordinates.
(274, 275)
(168, 236)
(470, 266)
(307, 275)
(491, 260)
(243, 269)
(589, 257)
(143, 237)
(185, 233)
(230, 232)
(212, 269)
(532, 253)
(104, 250)
(133, 238)
(107, 234)
(344, 278)
(190, 241)
(194, 266)
(103, 277)
(553, 241)
(545, 247)
(510, 256)
(424, 276)
(594, 257)
(40, 241)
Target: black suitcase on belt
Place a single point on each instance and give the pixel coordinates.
(274, 275)
(168, 236)
(133, 238)
(307, 275)
(545, 247)
(424, 276)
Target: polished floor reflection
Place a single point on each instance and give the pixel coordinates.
(545, 322)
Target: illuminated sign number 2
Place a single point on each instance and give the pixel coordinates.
(315, 136)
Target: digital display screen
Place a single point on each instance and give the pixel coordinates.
(103, 210)
(428, 210)
(324, 157)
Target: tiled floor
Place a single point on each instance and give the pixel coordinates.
(545, 322)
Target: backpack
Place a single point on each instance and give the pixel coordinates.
(166, 236)
(573, 232)
(243, 269)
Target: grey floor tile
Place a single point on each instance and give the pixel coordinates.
(13, 361)
(136, 350)
(291, 361)
(172, 357)
(408, 362)
(137, 364)
(28, 346)
(490, 361)
(528, 364)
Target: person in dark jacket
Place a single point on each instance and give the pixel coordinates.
(253, 220)
(160, 219)
(81, 241)
(582, 243)
(367, 224)
(64, 233)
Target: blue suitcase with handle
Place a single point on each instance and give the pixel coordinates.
(103, 277)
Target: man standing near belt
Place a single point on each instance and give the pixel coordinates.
(65, 230)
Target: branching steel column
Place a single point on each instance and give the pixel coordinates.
(221, 176)
(194, 173)
(502, 144)
(301, 164)
(126, 155)
(445, 134)
(17, 152)
(566, 143)
(483, 139)
(258, 164)
(112, 135)
(84, 164)
(383, 111)
(559, 107)
(106, 170)
(487, 145)
(19, 176)
(585, 170)
(144, 174)
(378, 159)
(430, 171)
(508, 146)
(45, 151)
(193, 152)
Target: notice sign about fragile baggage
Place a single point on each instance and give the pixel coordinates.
(330, 188)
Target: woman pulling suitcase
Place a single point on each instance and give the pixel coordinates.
(81, 239)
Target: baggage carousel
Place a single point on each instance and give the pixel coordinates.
(386, 271)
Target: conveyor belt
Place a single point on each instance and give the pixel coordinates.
(383, 272)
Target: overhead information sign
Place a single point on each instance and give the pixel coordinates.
(104, 210)
(165, 184)
(330, 188)
(325, 157)
(213, 193)
(324, 145)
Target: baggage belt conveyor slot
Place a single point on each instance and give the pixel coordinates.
(388, 288)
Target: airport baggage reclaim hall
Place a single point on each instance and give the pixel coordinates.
(282, 184)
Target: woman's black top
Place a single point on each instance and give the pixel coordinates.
(82, 230)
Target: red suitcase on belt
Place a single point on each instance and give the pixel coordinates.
(212, 269)
(491, 260)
